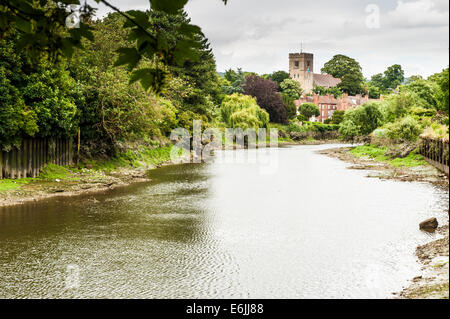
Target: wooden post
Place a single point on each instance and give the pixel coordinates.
(1, 163)
(34, 155)
(19, 162)
(30, 157)
(78, 145)
(13, 163)
(70, 152)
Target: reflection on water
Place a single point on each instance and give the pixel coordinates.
(312, 230)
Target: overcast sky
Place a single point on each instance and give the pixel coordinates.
(258, 35)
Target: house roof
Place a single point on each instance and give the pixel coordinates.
(325, 80)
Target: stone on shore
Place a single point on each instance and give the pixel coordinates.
(429, 224)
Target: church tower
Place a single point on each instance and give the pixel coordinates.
(301, 69)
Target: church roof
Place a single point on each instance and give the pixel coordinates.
(325, 80)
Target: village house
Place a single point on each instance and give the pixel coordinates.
(328, 104)
(301, 69)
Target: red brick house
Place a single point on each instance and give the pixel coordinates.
(328, 104)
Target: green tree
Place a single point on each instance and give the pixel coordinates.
(308, 110)
(291, 109)
(337, 117)
(279, 77)
(291, 88)
(349, 130)
(43, 32)
(349, 71)
(242, 111)
(393, 76)
(367, 117)
(34, 100)
(442, 95)
(236, 81)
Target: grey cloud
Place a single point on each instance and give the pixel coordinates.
(258, 35)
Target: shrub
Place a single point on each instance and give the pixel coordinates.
(407, 129)
(367, 117)
(423, 112)
(337, 117)
(349, 130)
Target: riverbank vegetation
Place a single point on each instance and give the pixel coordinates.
(125, 100)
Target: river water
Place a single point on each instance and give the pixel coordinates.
(293, 224)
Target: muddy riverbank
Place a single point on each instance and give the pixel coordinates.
(433, 281)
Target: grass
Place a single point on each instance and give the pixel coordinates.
(11, 185)
(133, 159)
(148, 157)
(378, 154)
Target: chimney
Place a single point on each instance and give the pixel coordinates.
(316, 99)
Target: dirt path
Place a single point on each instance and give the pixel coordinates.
(433, 281)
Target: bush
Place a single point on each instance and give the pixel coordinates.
(366, 117)
(309, 110)
(337, 117)
(423, 112)
(407, 129)
(349, 130)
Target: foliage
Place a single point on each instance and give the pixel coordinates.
(393, 77)
(308, 110)
(236, 81)
(267, 97)
(337, 117)
(279, 77)
(349, 130)
(367, 117)
(406, 129)
(42, 27)
(291, 109)
(349, 71)
(34, 100)
(442, 95)
(118, 112)
(291, 88)
(242, 111)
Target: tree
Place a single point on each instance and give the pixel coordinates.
(291, 88)
(236, 80)
(308, 110)
(242, 111)
(349, 130)
(349, 71)
(442, 95)
(43, 32)
(393, 77)
(267, 97)
(279, 77)
(291, 109)
(378, 81)
(426, 90)
(34, 100)
(367, 117)
(337, 117)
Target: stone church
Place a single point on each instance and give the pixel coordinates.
(301, 69)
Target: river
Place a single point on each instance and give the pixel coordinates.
(295, 225)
